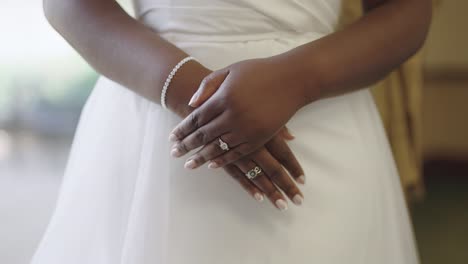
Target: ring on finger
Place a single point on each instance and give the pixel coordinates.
(223, 145)
(251, 174)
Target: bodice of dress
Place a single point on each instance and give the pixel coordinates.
(232, 19)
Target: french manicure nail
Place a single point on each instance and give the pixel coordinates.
(173, 138)
(175, 152)
(190, 164)
(281, 204)
(289, 135)
(213, 165)
(298, 199)
(258, 197)
(301, 179)
(193, 99)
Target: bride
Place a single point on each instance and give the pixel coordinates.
(252, 93)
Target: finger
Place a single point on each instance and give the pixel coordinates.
(264, 184)
(233, 155)
(210, 151)
(196, 119)
(286, 134)
(209, 85)
(280, 150)
(278, 175)
(200, 137)
(237, 174)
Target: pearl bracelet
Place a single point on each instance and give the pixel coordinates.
(169, 79)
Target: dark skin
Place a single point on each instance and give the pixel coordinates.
(129, 53)
(389, 33)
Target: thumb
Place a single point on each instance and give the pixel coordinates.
(209, 85)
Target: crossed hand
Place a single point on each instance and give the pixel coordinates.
(239, 121)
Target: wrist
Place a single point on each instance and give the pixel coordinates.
(301, 80)
(184, 84)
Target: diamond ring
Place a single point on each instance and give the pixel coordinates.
(223, 145)
(253, 172)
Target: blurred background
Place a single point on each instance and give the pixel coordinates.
(44, 83)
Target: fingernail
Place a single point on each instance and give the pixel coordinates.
(281, 204)
(175, 152)
(213, 165)
(193, 99)
(289, 135)
(298, 199)
(258, 197)
(173, 138)
(301, 179)
(190, 164)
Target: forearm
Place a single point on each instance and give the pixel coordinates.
(123, 49)
(362, 53)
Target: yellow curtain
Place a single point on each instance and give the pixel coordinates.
(399, 100)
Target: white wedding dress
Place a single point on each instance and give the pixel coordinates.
(124, 200)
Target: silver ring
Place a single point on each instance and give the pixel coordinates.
(223, 145)
(253, 172)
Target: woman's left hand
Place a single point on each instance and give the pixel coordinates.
(244, 105)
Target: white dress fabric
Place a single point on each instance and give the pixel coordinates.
(124, 200)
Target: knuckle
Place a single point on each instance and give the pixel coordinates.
(285, 156)
(182, 147)
(201, 136)
(199, 159)
(194, 120)
(272, 193)
(276, 173)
